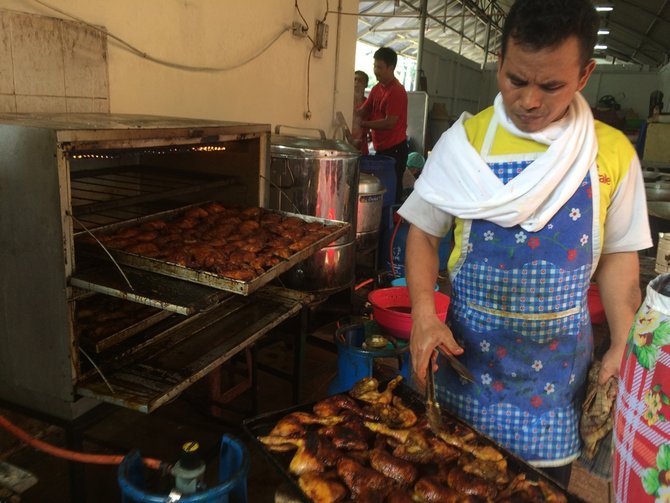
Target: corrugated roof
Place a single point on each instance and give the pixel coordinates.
(639, 29)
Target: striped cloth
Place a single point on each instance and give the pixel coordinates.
(642, 424)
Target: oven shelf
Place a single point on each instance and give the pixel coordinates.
(148, 288)
(101, 191)
(158, 372)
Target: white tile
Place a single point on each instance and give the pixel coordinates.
(38, 55)
(7, 103)
(101, 105)
(79, 105)
(37, 104)
(85, 61)
(6, 69)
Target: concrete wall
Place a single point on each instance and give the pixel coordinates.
(454, 86)
(664, 75)
(630, 87)
(272, 88)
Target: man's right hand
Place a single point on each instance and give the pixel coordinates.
(428, 332)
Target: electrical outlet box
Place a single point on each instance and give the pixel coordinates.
(298, 29)
(321, 38)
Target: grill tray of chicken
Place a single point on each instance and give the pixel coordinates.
(373, 444)
(229, 248)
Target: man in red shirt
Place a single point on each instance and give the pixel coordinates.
(385, 114)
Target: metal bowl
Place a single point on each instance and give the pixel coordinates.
(660, 209)
(658, 191)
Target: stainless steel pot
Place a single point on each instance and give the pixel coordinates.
(369, 213)
(316, 176)
(658, 191)
(329, 270)
(659, 209)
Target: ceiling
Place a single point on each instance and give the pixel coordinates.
(639, 29)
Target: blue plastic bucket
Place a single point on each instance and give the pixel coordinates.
(232, 488)
(397, 244)
(354, 363)
(383, 167)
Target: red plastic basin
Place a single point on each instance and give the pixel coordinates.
(596, 309)
(391, 309)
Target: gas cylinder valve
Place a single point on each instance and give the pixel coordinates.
(189, 471)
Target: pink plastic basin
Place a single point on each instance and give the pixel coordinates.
(391, 309)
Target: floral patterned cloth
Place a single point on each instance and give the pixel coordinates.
(519, 310)
(641, 470)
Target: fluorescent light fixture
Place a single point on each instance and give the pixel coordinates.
(604, 8)
(603, 31)
(600, 47)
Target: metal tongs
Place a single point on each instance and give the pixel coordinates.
(433, 411)
(458, 367)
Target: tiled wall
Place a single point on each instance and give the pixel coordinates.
(51, 65)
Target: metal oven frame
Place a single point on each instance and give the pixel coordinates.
(41, 364)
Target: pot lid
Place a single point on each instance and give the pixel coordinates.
(369, 183)
(307, 146)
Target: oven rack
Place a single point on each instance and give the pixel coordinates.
(121, 193)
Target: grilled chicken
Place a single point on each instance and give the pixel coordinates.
(430, 490)
(456, 435)
(403, 472)
(350, 436)
(367, 390)
(395, 458)
(322, 489)
(522, 490)
(363, 482)
(489, 470)
(467, 483)
(399, 435)
(398, 496)
(396, 415)
(336, 404)
(294, 425)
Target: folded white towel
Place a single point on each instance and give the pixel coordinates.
(458, 181)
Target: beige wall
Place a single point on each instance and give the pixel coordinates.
(221, 33)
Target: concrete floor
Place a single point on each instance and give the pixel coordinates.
(189, 417)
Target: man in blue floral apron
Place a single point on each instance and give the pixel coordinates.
(542, 199)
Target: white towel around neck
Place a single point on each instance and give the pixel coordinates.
(458, 181)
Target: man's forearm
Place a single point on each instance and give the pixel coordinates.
(618, 279)
(386, 123)
(422, 268)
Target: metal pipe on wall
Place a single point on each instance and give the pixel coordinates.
(338, 36)
(422, 38)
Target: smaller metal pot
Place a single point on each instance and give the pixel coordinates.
(369, 211)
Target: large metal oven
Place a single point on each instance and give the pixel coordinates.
(62, 176)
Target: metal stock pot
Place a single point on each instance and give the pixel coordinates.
(317, 176)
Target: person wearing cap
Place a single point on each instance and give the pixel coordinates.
(415, 162)
(541, 199)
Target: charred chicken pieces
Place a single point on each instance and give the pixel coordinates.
(236, 243)
(368, 446)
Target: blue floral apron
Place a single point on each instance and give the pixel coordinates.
(519, 310)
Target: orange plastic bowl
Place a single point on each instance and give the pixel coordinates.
(391, 309)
